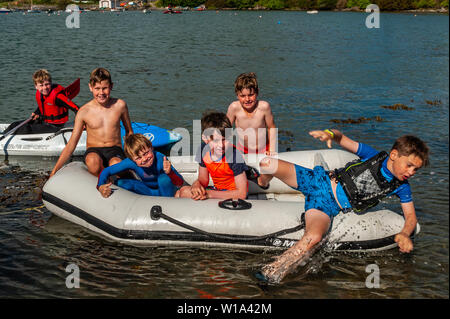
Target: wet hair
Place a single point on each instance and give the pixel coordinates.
(41, 76)
(412, 145)
(246, 81)
(99, 75)
(215, 121)
(135, 143)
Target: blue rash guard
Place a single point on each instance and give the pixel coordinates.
(154, 181)
(365, 152)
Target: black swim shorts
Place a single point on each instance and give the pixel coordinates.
(106, 153)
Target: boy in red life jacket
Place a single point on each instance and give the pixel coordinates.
(53, 102)
(101, 116)
(253, 118)
(219, 159)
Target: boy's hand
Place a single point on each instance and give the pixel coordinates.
(322, 136)
(167, 166)
(404, 242)
(34, 116)
(198, 191)
(105, 190)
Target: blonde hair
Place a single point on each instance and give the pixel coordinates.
(135, 143)
(41, 76)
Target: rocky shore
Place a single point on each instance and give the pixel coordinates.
(92, 7)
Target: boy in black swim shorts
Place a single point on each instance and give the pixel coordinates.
(101, 117)
(106, 153)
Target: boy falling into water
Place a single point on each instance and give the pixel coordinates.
(358, 187)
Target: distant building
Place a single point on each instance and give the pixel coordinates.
(107, 4)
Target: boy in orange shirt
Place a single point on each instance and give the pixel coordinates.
(217, 157)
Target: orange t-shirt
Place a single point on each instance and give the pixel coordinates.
(224, 170)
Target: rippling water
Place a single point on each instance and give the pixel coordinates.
(170, 68)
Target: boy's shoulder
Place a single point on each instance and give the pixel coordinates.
(118, 102)
(263, 105)
(234, 106)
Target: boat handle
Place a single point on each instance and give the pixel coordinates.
(233, 204)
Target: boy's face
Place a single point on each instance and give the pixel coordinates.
(144, 158)
(217, 143)
(404, 166)
(101, 91)
(44, 87)
(247, 98)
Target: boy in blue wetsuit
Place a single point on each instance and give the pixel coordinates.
(157, 176)
(358, 186)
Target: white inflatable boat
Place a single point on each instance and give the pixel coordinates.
(269, 218)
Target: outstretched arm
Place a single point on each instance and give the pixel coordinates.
(337, 136)
(402, 239)
(126, 121)
(272, 133)
(231, 114)
(71, 145)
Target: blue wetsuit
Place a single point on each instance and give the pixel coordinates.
(315, 184)
(154, 181)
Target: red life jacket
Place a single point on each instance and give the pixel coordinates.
(50, 112)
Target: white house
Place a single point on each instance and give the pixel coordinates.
(107, 4)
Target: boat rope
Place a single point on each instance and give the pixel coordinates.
(156, 213)
(37, 208)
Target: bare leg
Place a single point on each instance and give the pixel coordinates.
(114, 160)
(184, 191)
(317, 224)
(271, 167)
(94, 163)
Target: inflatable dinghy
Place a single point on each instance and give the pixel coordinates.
(270, 218)
(52, 143)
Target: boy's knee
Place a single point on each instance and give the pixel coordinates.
(184, 191)
(313, 238)
(114, 160)
(265, 162)
(268, 165)
(94, 164)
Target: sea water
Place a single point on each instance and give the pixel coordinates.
(316, 71)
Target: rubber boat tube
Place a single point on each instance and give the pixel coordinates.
(268, 219)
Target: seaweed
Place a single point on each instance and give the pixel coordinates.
(358, 120)
(398, 106)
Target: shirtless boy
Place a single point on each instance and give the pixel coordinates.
(253, 118)
(101, 116)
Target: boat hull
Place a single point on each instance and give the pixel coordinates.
(272, 221)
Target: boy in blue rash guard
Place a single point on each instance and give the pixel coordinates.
(358, 186)
(157, 176)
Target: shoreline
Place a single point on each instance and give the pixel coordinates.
(151, 8)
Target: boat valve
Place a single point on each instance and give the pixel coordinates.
(156, 212)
